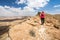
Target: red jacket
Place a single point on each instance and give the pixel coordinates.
(42, 15)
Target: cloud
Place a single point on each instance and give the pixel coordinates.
(5, 12)
(20, 1)
(11, 11)
(27, 10)
(34, 3)
(56, 6)
(57, 11)
(6, 6)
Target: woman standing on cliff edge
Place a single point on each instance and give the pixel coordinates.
(42, 16)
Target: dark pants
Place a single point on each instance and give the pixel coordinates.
(42, 21)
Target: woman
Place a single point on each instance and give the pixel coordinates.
(42, 16)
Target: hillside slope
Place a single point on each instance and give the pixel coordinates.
(31, 29)
(57, 16)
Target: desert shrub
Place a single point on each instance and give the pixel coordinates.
(32, 33)
(35, 21)
(28, 19)
(56, 26)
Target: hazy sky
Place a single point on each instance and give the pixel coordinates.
(28, 7)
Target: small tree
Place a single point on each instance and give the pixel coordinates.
(38, 13)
